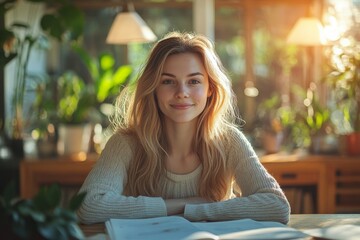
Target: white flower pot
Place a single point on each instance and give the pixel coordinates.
(73, 139)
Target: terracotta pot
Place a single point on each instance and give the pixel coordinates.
(272, 142)
(353, 144)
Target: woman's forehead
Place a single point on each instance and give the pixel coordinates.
(184, 61)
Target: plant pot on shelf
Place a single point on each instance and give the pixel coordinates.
(272, 141)
(74, 139)
(324, 144)
(353, 144)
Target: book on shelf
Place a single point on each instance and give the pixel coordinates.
(178, 228)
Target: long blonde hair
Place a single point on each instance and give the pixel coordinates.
(140, 116)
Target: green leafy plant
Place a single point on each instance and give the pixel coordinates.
(107, 79)
(303, 119)
(65, 23)
(310, 118)
(75, 101)
(273, 116)
(344, 78)
(41, 217)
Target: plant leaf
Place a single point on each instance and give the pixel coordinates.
(54, 195)
(52, 230)
(47, 198)
(75, 201)
(75, 231)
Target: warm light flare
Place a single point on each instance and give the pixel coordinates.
(307, 31)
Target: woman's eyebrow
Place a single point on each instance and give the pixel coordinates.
(189, 75)
(195, 74)
(168, 74)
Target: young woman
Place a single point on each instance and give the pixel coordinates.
(177, 149)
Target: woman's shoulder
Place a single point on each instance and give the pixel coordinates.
(237, 145)
(121, 139)
(235, 135)
(120, 144)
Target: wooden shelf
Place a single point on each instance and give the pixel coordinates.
(69, 171)
(348, 191)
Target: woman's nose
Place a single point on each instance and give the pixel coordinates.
(182, 91)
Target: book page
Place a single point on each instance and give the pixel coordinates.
(172, 227)
(250, 229)
(346, 231)
(178, 228)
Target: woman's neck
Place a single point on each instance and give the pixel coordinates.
(182, 157)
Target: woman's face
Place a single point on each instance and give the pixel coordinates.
(183, 89)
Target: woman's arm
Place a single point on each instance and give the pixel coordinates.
(177, 206)
(261, 196)
(104, 187)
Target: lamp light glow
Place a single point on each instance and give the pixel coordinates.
(129, 27)
(307, 31)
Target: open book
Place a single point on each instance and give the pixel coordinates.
(178, 228)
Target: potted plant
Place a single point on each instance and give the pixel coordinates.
(308, 122)
(74, 104)
(274, 119)
(65, 22)
(297, 125)
(75, 109)
(344, 78)
(41, 217)
(43, 118)
(104, 82)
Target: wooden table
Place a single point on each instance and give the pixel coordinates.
(309, 221)
(297, 221)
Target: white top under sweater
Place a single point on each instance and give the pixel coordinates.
(261, 197)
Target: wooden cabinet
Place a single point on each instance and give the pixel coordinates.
(344, 185)
(335, 179)
(67, 172)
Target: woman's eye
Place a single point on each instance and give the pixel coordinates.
(167, 81)
(194, 81)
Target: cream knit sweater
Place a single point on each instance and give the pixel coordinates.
(261, 197)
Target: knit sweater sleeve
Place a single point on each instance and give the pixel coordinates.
(261, 197)
(104, 187)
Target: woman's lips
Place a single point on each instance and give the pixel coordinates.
(181, 106)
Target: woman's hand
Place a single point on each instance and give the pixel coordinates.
(177, 206)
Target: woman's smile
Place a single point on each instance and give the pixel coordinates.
(181, 106)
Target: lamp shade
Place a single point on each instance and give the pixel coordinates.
(129, 27)
(307, 32)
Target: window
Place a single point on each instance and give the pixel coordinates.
(251, 41)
